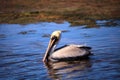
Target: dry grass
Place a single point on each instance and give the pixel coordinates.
(78, 12)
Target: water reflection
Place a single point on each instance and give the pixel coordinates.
(58, 69)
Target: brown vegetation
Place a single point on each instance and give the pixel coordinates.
(75, 11)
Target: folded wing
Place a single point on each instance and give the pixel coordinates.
(71, 51)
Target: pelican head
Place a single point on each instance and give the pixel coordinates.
(54, 39)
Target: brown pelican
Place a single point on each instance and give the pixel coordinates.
(64, 53)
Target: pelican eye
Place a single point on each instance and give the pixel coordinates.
(54, 37)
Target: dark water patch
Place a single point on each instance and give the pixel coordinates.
(2, 35)
(46, 35)
(27, 32)
(64, 31)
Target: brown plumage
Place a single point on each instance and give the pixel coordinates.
(65, 53)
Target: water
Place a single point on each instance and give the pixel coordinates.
(22, 48)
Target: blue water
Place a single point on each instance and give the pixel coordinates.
(22, 48)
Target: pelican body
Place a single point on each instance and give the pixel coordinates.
(64, 53)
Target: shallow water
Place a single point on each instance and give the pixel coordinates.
(22, 48)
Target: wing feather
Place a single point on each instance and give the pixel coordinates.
(71, 51)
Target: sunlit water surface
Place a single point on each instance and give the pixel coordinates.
(22, 48)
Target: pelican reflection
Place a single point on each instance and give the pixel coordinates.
(70, 68)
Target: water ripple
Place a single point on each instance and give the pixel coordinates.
(22, 49)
